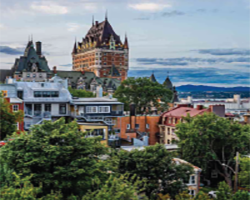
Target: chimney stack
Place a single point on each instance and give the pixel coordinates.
(54, 70)
(39, 48)
(199, 107)
(96, 23)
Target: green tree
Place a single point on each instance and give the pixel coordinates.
(201, 196)
(80, 93)
(155, 164)
(183, 196)
(224, 191)
(143, 93)
(8, 119)
(59, 156)
(207, 138)
(118, 188)
(241, 195)
(244, 174)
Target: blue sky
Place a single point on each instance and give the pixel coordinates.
(197, 42)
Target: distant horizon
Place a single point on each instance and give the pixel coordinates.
(197, 42)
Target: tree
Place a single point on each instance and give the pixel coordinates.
(206, 138)
(80, 93)
(155, 164)
(244, 174)
(8, 119)
(224, 192)
(59, 156)
(143, 93)
(242, 195)
(118, 188)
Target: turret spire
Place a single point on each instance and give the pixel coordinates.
(126, 42)
(93, 20)
(106, 15)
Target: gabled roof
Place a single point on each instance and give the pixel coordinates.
(30, 54)
(183, 112)
(114, 71)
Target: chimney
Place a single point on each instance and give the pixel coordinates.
(96, 23)
(54, 70)
(39, 48)
(199, 107)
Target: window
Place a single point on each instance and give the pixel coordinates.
(168, 141)
(104, 109)
(173, 120)
(46, 94)
(191, 192)
(40, 75)
(192, 179)
(17, 126)
(34, 75)
(137, 126)
(128, 126)
(120, 64)
(105, 63)
(169, 120)
(20, 94)
(147, 126)
(37, 110)
(62, 109)
(15, 108)
(47, 107)
(37, 94)
(96, 132)
(55, 94)
(28, 75)
(168, 131)
(91, 109)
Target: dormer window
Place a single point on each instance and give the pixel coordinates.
(34, 75)
(28, 75)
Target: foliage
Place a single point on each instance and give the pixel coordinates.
(59, 156)
(118, 189)
(163, 197)
(155, 164)
(207, 138)
(80, 93)
(9, 119)
(241, 195)
(183, 196)
(201, 196)
(244, 174)
(143, 93)
(224, 192)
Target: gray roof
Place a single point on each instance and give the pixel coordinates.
(88, 77)
(4, 73)
(29, 88)
(96, 100)
(30, 56)
(11, 88)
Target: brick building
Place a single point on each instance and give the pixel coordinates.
(101, 51)
(139, 124)
(169, 119)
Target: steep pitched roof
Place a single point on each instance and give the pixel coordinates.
(168, 84)
(126, 42)
(74, 51)
(114, 71)
(4, 73)
(30, 54)
(103, 31)
(152, 78)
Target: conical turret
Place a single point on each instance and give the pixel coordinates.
(126, 42)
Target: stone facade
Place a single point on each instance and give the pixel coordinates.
(100, 50)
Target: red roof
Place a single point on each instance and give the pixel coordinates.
(183, 111)
(229, 115)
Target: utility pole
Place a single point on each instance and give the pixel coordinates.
(236, 172)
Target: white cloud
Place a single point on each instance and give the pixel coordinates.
(49, 8)
(149, 6)
(73, 27)
(2, 27)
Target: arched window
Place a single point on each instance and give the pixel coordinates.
(168, 141)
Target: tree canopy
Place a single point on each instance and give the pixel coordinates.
(8, 119)
(143, 93)
(80, 93)
(244, 174)
(155, 164)
(208, 138)
(59, 156)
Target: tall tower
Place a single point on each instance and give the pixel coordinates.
(101, 51)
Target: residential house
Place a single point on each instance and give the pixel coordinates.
(97, 116)
(194, 180)
(171, 118)
(9, 93)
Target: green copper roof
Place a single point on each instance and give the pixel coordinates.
(114, 71)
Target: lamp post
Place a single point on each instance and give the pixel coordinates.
(235, 171)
